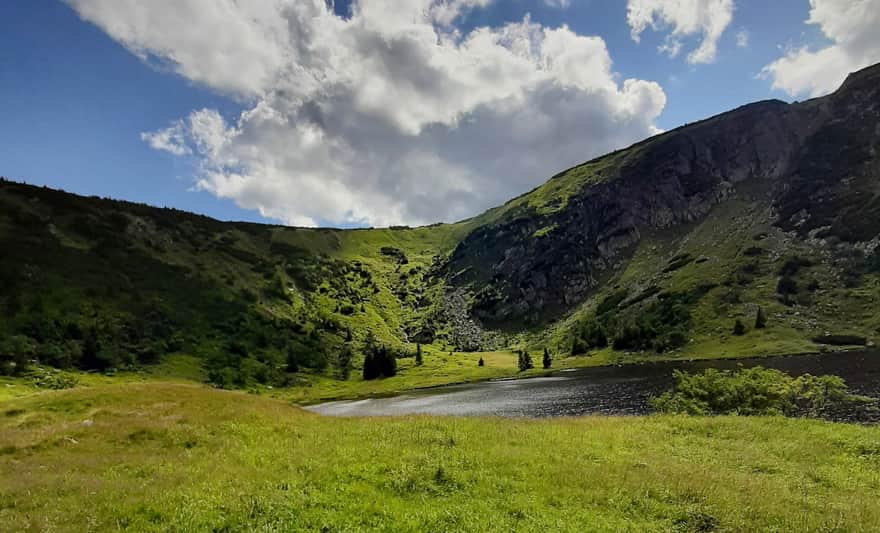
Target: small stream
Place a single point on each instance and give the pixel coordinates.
(611, 390)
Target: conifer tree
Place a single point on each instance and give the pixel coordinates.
(481, 362)
(760, 319)
(525, 361)
(548, 361)
(418, 354)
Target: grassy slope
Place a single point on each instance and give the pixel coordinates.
(192, 268)
(177, 457)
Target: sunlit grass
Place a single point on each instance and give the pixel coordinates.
(175, 457)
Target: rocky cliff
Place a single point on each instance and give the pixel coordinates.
(817, 159)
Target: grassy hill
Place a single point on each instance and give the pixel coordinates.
(658, 250)
(160, 456)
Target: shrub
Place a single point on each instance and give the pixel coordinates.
(594, 335)
(481, 362)
(754, 391)
(841, 340)
(792, 265)
(56, 380)
(739, 328)
(786, 286)
(15, 353)
(547, 361)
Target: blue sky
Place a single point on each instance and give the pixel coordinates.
(75, 101)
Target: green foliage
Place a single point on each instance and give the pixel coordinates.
(611, 302)
(793, 265)
(344, 362)
(53, 379)
(419, 360)
(841, 340)
(15, 355)
(760, 319)
(786, 286)
(525, 361)
(754, 391)
(379, 361)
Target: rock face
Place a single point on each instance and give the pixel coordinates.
(818, 159)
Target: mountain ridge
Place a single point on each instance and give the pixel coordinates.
(656, 247)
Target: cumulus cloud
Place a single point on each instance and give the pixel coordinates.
(561, 4)
(388, 116)
(172, 140)
(683, 18)
(852, 27)
(742, 38)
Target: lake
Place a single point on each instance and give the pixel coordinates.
(611, 390)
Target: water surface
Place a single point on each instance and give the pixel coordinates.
(612, 390)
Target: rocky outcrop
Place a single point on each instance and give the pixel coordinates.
(818, 158)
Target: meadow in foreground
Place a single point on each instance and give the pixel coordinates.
(184, 457)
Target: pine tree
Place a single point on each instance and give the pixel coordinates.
(418, 354)
(548, 361)
(525, 361)
(370, 371)
(760, 319)
(90, 350)
(291, 365)
(481, 362)
(344, 362)
(739, 328)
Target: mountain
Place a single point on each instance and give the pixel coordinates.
(770, 209)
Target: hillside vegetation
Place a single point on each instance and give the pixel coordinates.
(751, 233)
(158, 457)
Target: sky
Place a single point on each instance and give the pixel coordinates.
(382, 112)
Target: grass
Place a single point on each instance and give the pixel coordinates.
(158, 457)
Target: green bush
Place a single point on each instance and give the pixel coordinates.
(55, 380)
(754, 391)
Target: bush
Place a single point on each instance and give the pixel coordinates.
(754, 391)
(547, 361)
(15, 353)
(481, 362)
(739, 329)
(841, 340)
(786, 286)
(56, 380)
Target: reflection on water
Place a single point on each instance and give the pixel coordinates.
(615, 390)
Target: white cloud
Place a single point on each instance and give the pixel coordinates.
(852, 27)
(742, 38)
(560, 4)
(171, 140)
(708, 18)
(388, 116)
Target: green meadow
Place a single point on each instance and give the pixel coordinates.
(178, 457)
